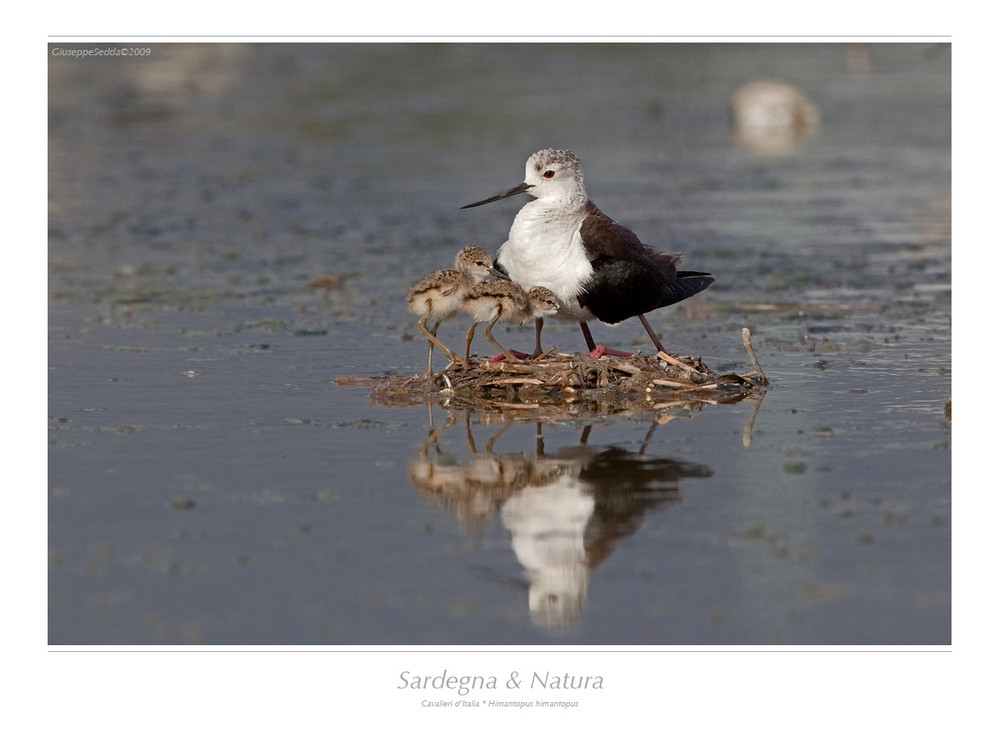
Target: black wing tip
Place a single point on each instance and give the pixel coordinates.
(693, 282)
(697, 280)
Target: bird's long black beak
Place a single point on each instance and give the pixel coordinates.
(522, 187)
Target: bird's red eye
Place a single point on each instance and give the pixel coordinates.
(549, 174)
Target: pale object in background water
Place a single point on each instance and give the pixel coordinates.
(771, 117)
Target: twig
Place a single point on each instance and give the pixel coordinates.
(544, 354)
(505, 367)
(627, 368)
(684, 385)
(671, 360)
(753, 357)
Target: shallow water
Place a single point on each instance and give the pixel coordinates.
(233, 227)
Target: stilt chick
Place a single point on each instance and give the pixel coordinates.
(502, 300)
(439, 295)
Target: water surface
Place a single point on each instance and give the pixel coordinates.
(232, 227)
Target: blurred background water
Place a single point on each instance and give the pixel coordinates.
(232, 227)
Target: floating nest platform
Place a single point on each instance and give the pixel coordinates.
(563, 378)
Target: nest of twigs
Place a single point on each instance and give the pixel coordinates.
(560, 378)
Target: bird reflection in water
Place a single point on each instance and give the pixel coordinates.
(565, 510)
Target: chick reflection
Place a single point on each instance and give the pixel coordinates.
(565, 510)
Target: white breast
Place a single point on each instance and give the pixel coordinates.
(543, 251)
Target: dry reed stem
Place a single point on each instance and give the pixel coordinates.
(753, 356)
(674, 361)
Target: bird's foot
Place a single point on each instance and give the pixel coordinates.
(496, 358)
(601, 350)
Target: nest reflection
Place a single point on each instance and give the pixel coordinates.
(565, 510)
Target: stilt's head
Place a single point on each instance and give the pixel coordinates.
(543, 302)
(555, 173)
(549, 174)
(474, 261)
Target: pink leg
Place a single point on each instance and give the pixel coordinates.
(601, 350)
(517, 354)
(596, 351)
